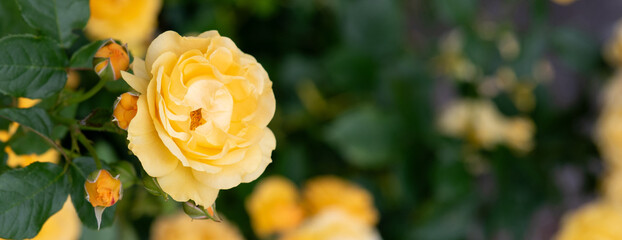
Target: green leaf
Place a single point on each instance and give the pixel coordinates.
(30, 196)
(83, 58)
(25, 141)
(11, 21)
(56, 18)
(31, 67)
(34, 118)
(79, 171)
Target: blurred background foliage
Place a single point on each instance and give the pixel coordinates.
(361, 85)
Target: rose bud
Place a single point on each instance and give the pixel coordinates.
(125, 109)
(110, 60)
(102, 191)
(195, 211)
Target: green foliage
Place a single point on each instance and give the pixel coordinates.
(29, 197)
(32, 67)
(83, 57)
(33, 118)
(56, 19)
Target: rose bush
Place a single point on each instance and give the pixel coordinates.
(203, 111)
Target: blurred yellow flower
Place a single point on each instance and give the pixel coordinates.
(182, 227)
(63, 225)
(612, 186)
(325, 192)
(15, 160)
(608, 127)
(131, 21)
(563, 2)
(518, 133)
(274, 207)
(203, 111)
(333, 224)
(598, 220)
(483, 125)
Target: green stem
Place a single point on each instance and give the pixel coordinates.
(87, 144)
(88, 94)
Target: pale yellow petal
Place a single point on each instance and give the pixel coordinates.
(140, 79)
(231, 175)
(182, 186)
(145, 143)
(170, 41)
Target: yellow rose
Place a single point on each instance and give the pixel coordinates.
(608, 127)
(599, 220)
(182, 227)
(332, 192)
(63, 225)
(333, 223)
(131, 21)
(274, 207)
(202, 117)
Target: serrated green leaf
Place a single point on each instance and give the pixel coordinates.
(80, 169)
(30, 196)
(83, 58)
(31, 67)
(24, 141)
(56, 18)
(34, 118)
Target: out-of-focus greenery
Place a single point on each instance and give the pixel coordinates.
(359, 87)
(359, 90)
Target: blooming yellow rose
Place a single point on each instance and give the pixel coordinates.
(182, 227)
(202, 117)
(131, 21)
(274, 207)
(599, 220)
(333, 224)
(332, 192)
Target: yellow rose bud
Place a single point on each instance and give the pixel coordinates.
(104, 190)
(202, 115)
(125, 109)
(111, 58)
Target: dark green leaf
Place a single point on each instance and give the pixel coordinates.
(29, 197)
(11, 21)
(34, 118)
(31, 67)
(56, 18)
(80, 169)
(83, 58)
(25, 141)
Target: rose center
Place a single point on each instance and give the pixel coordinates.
(196, 119)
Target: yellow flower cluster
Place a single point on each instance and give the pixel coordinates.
(484, 126)
(598, 220)
(330, 208)
(182, 227)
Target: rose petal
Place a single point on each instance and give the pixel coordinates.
(145, 143)
(182, 186)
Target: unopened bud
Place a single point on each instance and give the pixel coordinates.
(102, 191)
(125, 109)
(199, 212)
(110, 60)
